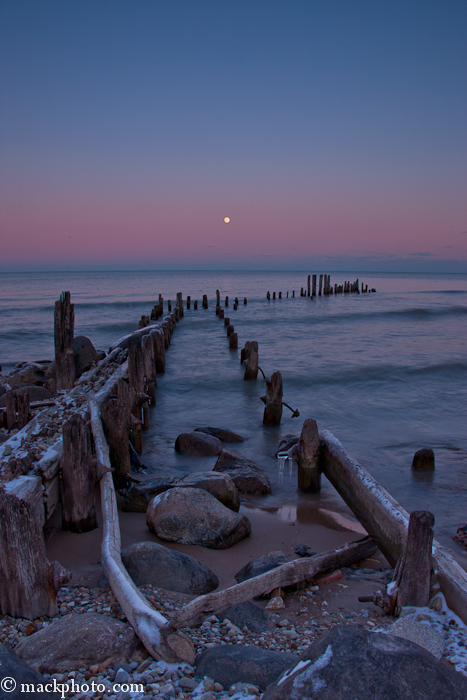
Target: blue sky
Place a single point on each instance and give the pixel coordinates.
(328, 131)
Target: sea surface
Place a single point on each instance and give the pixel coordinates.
(385, 372)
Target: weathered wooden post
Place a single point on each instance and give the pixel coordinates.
(274, 295)
(293, 293)
(157, 336)
(22, 406)
(205, 301)
(226, 301)
(235, 306)
(233, 341)
(320, 284)
(268, 296)
(195, 305)
(149, 368)
(287, 295)
(280, 295)
(226, 321)
(64, 327)
(273, 400)
(245, 301)
(188, 302)
(136, 380)
(218, 298)
(301, 291)
(308, 288)
(230, 330)
(116, 421)
(10, 409)
(78, 477)
(221, 314)
(169, 305)
(250, 359)
(309, 475)
(29, 580)
(414, 576)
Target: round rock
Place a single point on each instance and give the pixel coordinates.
(149, 562)
(197, 443)
(194, 516)
(424, 459)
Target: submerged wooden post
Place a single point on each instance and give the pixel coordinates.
(78, 477)
(245, 301)
(188, 302)
(29, 580)
(313, 286)
(218, 298)
(280, 295)
(230, 330)
(273, 400)
(226, 321)
(221, 314)
(205, 301)
(195, 305)
(226, 301)
(250, 359)
(268, 296)
(64, 327)
(274, 295)
(308, 288)
(293, 293)
(309, 476)
(233, 341)
(414, 580)
(320, 284)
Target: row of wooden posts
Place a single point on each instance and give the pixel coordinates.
(325, 288)
(26, 501)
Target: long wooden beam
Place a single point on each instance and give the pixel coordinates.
(385, 520)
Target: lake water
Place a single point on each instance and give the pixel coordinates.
(385, 372)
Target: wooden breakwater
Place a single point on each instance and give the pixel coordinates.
(51, 460)
(322, 287)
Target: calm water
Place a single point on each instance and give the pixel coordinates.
(385, 372)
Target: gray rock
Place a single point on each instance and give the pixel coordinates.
(84, 353)
(198, 444)
(424, 459)
(287, 442)
(27, 373)
(221, 434)
(261, 565)
(36, 393)
(232, 664)
(78, 640)
(220, 486)
(246, 615)
(246, 475)
(347, 662)
(11, 666)
(420, 633)
(193, 516)
(148, 562)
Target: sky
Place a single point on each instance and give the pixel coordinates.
(331, 132)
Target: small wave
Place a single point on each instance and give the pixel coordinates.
(384, 373)
(413, 314)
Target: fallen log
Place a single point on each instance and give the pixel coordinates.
(150, 626)
(285, 575)
(385, 520)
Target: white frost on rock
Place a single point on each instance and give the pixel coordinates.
(308, 675)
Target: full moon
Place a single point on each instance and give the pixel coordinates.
(226, 219)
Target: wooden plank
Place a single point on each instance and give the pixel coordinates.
(30, 490)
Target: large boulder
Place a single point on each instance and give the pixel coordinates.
(85, 354)
(246, 615)
(220, 486)
(36, 393)
(148, 562)
(193, 516)
(77, 641)
(223, 434)
(28, 373)
(25, 678)
(233, 664)
(261, 565)
(198, 444)
(348, 662)
(246, 475)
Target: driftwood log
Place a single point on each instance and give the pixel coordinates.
(149, 625)
(385, 520)
(64, 326)
(285, 575)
